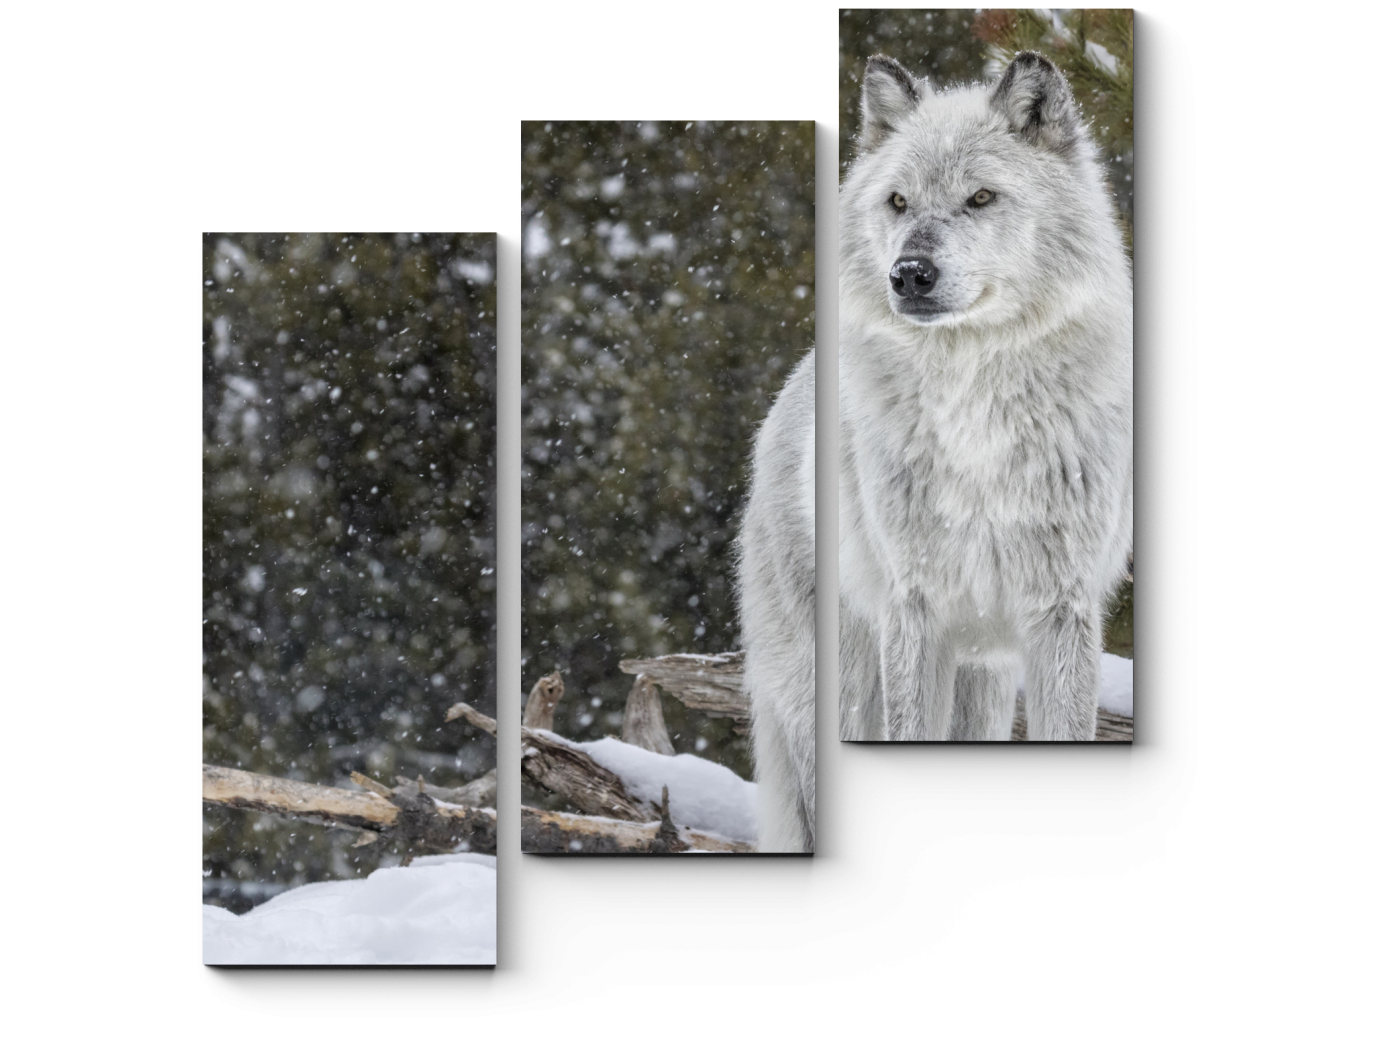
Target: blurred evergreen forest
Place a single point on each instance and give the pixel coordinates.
(349, 516)
(667, 293)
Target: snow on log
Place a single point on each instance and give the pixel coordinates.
(713, 684)
(567, 769)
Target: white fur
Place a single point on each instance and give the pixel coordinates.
(986, 438)
(777, 608)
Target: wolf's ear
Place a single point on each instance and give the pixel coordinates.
(889, 94)
(1038, 103)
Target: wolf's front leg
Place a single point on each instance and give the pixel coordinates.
(984, 700)
(786, 784)
(916, 671)
(1062, 672)
(862, 704)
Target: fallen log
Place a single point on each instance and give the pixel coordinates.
(713, 684)
(557, 765)
(545, 831)
(422, 823)
(480, 793)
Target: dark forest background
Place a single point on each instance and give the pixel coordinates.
(349, 527)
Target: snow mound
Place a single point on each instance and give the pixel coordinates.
(1116, 684)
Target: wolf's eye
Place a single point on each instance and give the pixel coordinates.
(898, 202)
(982, 198)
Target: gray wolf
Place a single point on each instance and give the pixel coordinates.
(985, 353)
(777, 577)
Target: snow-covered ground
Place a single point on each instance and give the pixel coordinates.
(1115, 684)
(439, 909)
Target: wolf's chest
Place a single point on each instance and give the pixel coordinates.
(977, 456)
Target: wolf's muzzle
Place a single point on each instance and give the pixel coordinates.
(913, 275)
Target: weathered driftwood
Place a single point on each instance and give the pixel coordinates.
(472, 715)
(643, 724)
(713, 684)
(543, 831)
(423, 824)
(544, 698)
(1111, 726)
(611, 819)
(557, 765)
(328, 805)
(480, 793)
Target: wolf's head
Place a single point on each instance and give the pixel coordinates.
(976, 203)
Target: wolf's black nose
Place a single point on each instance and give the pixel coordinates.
(913, 275)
